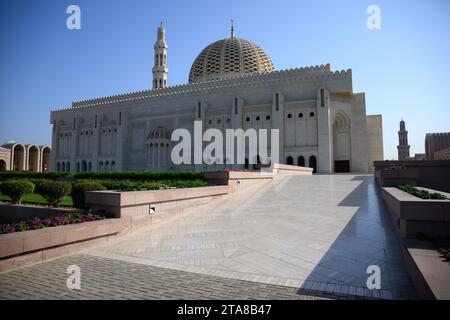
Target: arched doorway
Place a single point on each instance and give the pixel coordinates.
(301, 161)
(18, 157)
(33, 158)
(313, 163)
(2, 165)
(45, 159)
(290, 161)
(341, 142)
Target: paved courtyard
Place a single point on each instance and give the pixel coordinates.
(298, 236)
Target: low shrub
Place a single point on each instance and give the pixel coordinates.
(16, 189)
(7, 175)
(140, 176)
(79, 190)
(423, 194)
(128, 185)
(53, 191)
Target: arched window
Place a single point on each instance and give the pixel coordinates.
(257, 118)
(63, 167)
(58, 167)
(301, 161)
(247, 119)
(290, 160)
(311, 114)
(313, 163)
(113, 166)
(83, 166)
(300, 115)
(90, 166)
(100, 166)
(268, 117)
(68, 166)
(289, 116)
(78, 167)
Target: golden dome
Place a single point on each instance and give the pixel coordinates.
(228, 57)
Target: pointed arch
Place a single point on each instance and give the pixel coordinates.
(342, 142)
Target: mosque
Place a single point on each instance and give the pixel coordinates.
(232, 84)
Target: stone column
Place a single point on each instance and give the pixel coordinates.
(236, 123)
(324, 133)
(278, 121)
(55, 145)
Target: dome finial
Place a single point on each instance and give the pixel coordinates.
(232, 28)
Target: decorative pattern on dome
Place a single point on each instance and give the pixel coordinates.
(159, 133)
(229, 56)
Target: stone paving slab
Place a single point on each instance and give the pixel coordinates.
(320, 231)
(107, 279)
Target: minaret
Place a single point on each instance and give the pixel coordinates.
(403, 147)
(160, 71)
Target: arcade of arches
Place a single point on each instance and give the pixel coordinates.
(25, 157)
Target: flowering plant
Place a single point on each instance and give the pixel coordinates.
(53, 221)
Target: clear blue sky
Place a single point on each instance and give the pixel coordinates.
(403, 68)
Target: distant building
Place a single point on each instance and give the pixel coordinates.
(25, 157)
(403, 146)
(419, 156)
(435, 142)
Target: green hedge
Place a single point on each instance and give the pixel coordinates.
(8, 175)
(423, 194)
(129, 185)
(79, 190)
(54, 191)
(140, 176)
(16, 189)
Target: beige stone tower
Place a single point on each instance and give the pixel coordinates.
(403, 146)
(160, 70)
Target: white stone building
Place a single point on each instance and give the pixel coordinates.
(232, 84)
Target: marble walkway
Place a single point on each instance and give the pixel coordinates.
(317, 233)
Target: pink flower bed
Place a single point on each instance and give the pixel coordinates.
(53, 221)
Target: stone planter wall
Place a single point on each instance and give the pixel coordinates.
(411, 215)
(22, 248)
(141, 204)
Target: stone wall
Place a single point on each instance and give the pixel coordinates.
(375, 140)
(428, 173)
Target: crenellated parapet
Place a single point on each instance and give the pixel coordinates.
(317, 72)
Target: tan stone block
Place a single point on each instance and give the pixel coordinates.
(20, 261)
(11, 244)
